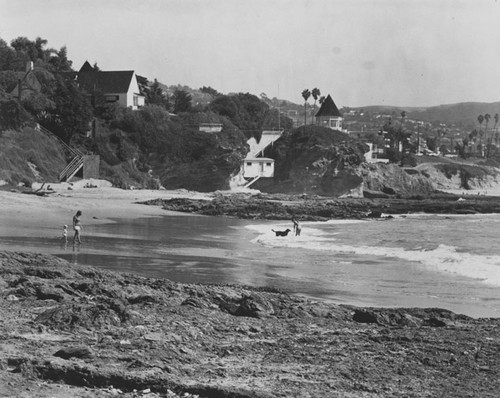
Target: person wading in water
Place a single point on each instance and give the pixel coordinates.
(77, 226)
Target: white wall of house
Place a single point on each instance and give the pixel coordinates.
(331, 122)
(258, 167)
(210, 127)
(134, 92)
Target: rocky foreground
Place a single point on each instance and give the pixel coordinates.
(70, 330)
(316, 208)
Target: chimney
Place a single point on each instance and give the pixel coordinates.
(29, 66)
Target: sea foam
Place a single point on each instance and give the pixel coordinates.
(443, 258)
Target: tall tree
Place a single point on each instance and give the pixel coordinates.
(403, 116)
(315, 93)
(210, 90)
(72, 112)
(480, 120)
(305, 94)
(182, 101)
(156, 96)
(487, 118)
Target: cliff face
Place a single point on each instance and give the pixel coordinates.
(314, 160)
(206, 164)
(392, 179)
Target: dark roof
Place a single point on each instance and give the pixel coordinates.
(328, 108)
(86, 67)
(106, 82)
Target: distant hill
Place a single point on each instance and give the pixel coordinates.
(462, 114)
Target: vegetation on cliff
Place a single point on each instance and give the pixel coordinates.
(314, 160)
(153, 147)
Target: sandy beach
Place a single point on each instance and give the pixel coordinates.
(73, 330)
(24, 214)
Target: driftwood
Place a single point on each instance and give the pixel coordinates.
(40, 191)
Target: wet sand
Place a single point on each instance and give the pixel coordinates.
(24, 214)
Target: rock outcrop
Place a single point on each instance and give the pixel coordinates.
(104, 334)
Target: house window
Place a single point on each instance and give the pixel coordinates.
(111, 98)
(136, 100)
(249, 164)
(268, 164)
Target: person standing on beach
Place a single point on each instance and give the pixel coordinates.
(77, 226)
(296, 226)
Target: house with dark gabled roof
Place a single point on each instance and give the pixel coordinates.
(120, 87)
(27, 83)
(329, 115)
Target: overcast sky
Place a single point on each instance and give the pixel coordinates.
(362, 52)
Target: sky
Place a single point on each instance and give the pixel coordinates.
(361, 52)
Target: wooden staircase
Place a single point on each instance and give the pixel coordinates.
(77, 157)
(247, 185)
(72, 168)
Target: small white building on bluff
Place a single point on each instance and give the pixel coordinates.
(255, 165)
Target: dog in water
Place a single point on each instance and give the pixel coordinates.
(281, 233)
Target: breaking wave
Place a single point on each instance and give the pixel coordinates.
(443, 258)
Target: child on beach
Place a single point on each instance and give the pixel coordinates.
(65, 234)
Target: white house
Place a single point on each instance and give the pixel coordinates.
(258, 167)
(119, 87)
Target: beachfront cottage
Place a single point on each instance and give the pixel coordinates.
(258, 167)
(121, 87)
(255, 165)
(329, 115)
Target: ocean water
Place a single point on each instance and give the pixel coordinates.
(450, 262)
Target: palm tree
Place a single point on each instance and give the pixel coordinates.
(321, 99)
(315, 93)
(305, 94)
(480, 119)
(487, 118)
(403, 116)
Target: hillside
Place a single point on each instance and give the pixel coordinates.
(29, 155)
(462, 114)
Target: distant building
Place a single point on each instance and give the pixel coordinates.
(329, 115)
(376, 153)
(255, 165)
(120, 87)
(27, 83)
(210, 127)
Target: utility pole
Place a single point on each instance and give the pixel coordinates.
(418, 139)
(279, 113)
